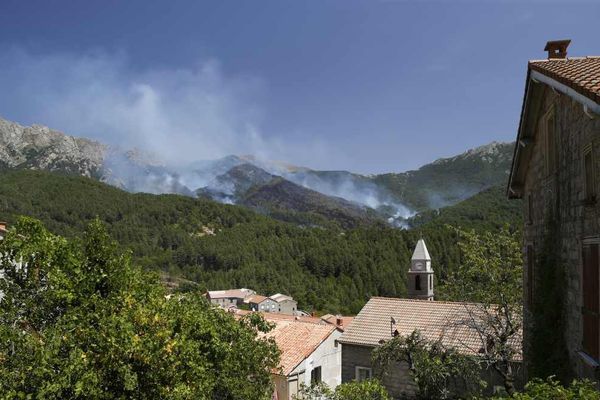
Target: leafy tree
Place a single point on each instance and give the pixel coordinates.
(439, 372)
(552, 389)
(77, 321)
(364, 390)
(490, 274)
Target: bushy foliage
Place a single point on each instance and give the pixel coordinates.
(77, 320)
(438, 371)
(364, 390)
(490, 275)
(551, 389)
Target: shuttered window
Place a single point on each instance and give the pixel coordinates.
(591, 300)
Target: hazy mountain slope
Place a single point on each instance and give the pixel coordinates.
(449, 180)
(280, 195)
(395, 196)
(487, 210)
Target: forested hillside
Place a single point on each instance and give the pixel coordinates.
(221, 246)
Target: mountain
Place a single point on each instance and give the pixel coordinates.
(286, 191)
(38, 147)
(219, 246)
(487, 210)
(447, 181)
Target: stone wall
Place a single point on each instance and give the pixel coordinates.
(561, 195)
(398, 383)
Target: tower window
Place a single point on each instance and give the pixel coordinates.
(418, 282)
(430, 282)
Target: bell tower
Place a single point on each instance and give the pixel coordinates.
(420, 274)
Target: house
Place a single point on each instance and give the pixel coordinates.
(286, 304)
(309, 354)
(383, 318)
(556, 171)
(229, 298)
(3, 229)
(262, 304)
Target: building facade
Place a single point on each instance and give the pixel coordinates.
(262, 304)
(285, 304)
(556, 171)
(310, 354)
(229, 298)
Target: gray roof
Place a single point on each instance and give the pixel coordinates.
(421, 252)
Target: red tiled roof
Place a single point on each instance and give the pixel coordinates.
(582, 74)
(436, 320)
(297, 340)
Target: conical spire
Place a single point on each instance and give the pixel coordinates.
(421, 252)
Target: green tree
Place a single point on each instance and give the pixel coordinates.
(439, 372)
(551, 388)
(490, 275)
(78, 321)
(364, 390)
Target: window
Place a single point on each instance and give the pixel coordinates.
(363, 373)
(418, 282)
(591, 301)
(530, 275)
(315, 375)
(430, 282)
(551, 149)
(588, 166)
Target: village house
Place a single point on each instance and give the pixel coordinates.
(229, 298)
(310, 354)
(286, 304)
(383, 318)
(262, 304)
(556, 172)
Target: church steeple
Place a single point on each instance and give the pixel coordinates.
(420, 274)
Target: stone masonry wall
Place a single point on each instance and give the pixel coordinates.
(563, 194)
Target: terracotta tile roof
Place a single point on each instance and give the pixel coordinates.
(274, 317)
(434, 319)
(582, 74)
(297, 340)
(333, 320)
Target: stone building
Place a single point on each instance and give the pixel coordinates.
(262, 304)
(556, 172)
(383, 318)
(229, 298)
(285, 304)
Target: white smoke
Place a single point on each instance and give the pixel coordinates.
(180, 114)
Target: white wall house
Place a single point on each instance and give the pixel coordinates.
(309, 354)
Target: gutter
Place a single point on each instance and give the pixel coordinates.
(590, 106)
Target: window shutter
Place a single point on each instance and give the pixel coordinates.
(591, 301)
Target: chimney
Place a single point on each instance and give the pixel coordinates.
(3, 226)
(339, 321)
(557, 48)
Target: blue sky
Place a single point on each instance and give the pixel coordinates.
(367, 86)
